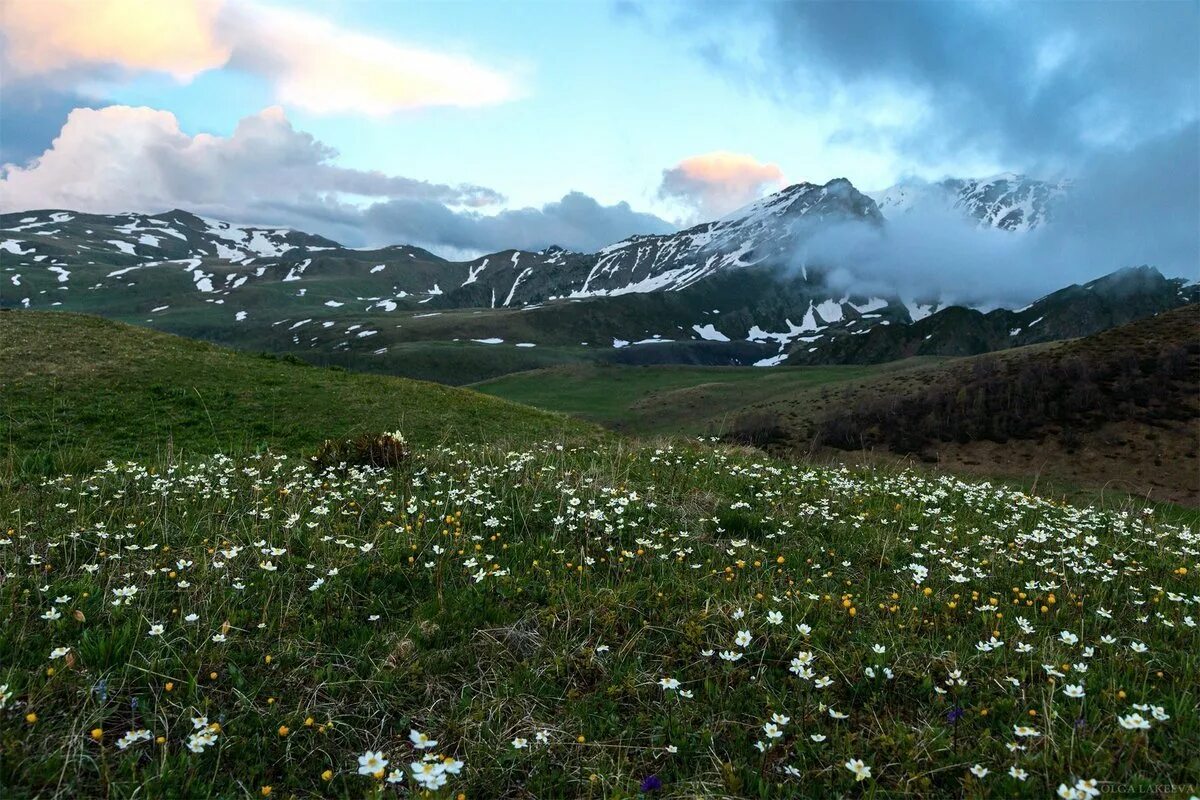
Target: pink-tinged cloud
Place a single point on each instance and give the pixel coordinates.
(179, 38)
(121, 158)
(713, 184)
(311, 62)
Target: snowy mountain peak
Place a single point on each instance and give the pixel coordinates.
(1008, 201)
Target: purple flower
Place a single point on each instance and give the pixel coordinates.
(954, 715)
(651, 783)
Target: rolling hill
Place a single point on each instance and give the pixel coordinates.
(76, 391)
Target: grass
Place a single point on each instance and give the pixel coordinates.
(554, 596)
(78, 390)
(672, 399)
(570, 616)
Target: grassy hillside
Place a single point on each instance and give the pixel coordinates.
(1120, 409)
(78, 390)
(672, 399)
(597, 620)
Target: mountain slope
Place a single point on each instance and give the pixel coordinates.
(77, 390)
(1008, 201)
(736, 291)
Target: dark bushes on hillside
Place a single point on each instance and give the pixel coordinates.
(1153, 378)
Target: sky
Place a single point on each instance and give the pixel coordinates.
(475, 126)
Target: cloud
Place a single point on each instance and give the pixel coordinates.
(311, 62)
(714, 184)
(1126, 207)
(326, 69)
(121, 158)
(179, 38)
(1026, 83)
(577, 222)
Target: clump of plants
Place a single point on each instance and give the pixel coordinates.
(379, 450)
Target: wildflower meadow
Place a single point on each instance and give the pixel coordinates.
(615, 622)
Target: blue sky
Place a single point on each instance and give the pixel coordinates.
(583, 115)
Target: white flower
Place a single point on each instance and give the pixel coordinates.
(395, 776)
(1134, 722)
(420, 740)
(1138, 647)
(668, 683)
(772, 730)
(1019, 774)
(817, 737)
(742, 639)
(156, 630)
(1068, 638)
(1073, 690)
(59, 652)
(861, 771)
(979, 771)
(1025, 731)
(133, 737)
(519, 743)
(371, 762)
(774, 617)
(52, 614)
(219, 638)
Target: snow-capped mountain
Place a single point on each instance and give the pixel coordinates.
(738, 290)
(1008, 201)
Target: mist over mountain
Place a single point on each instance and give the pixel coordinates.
(1122, 209)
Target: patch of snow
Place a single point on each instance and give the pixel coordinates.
(709, 333)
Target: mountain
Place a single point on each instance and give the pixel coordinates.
(738, 290)
(1008, 201)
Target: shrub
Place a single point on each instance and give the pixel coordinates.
(383, 450)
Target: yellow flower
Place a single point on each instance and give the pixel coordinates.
(283, 730)
(31, 717)
(266, 790)
(327, 775)
(97, 733)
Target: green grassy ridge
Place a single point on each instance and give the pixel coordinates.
(78, 390)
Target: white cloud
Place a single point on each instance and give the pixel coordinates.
(326, 69)
(121, 158)
(311, 62)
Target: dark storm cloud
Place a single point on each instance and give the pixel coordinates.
(1026, 81)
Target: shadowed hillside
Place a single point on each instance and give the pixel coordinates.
(1119, 407)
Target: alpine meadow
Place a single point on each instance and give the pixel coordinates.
(609, 399)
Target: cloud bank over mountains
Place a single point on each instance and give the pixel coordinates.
(120, 158)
